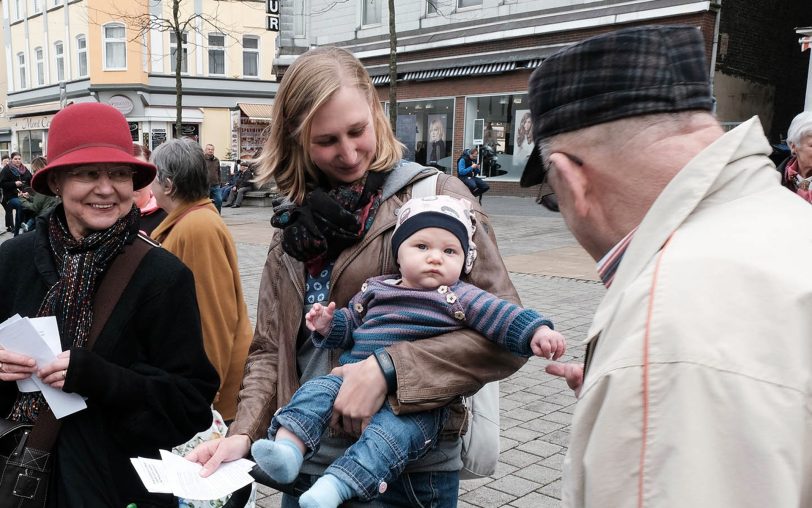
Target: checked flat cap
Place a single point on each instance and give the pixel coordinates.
(630, 72)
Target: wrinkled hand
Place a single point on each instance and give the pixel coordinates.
(548, 343)
(55, 372)
(14, 366)
(211, 454)
(362, 394)
(319, 318)
(573, 373)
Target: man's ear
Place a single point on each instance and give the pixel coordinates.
(572, 183)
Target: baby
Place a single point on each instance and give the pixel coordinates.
(433, 245)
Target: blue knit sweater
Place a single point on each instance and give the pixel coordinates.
(384, 313)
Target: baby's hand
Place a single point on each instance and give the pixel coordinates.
(548, 343)
(319, 318)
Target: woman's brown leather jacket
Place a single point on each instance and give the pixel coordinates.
(459, 362)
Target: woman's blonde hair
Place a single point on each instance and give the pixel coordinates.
(307, 85)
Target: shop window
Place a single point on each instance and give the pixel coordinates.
(21, 66)
(426, 127)
(250, 56)
(115, 46)
(31, 144)
(81, 55)
(508, 130)
(372, 10)
(217, 54)
(59, 57)
(173, 52)
(40, 64)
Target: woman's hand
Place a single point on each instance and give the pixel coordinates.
(54, 373)
(362, 394)
(14, 366)
(213, 453)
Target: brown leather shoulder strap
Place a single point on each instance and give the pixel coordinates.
(43, 435)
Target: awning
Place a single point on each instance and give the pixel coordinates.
(157, 114)
(42, 108)
(262, 112)
(451, 72)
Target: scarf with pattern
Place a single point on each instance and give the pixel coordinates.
(329, 221)
(79, 262)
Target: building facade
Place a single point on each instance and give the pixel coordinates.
(463, 65)
(120, 53)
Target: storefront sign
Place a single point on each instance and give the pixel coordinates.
(133, 130)
(272, 15)
(25, 123)
(158, 137)
(122, 103)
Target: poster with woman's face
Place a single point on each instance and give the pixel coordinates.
(435, 147)
(522, 137)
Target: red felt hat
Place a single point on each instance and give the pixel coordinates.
(90, 133)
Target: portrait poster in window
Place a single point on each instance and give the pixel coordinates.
(523, 137)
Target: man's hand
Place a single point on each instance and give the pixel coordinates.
(572, 372)
(362, 394)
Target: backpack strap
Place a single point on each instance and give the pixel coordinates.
(425, 187)
(43, 435)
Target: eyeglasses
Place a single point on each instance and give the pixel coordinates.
(549, 201)
(119, 174)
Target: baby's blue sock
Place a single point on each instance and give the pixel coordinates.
(327, 492)
(281, 459)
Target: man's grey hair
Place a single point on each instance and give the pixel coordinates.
(182, 162)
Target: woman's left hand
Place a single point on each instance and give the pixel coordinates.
(362, 394)
(54, 373)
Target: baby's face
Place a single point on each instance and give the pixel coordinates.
(430, 258)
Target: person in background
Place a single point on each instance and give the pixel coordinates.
(242, 184)
(796, 170)
(215, 180)
(681, 403)
(37, 204)
(196, 234)
(151, 213)
(9, 217)
(332, 153)
(15, 181)
(468, 171)
(433, 245)
(147, 382)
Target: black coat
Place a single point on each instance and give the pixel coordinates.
(8, 185)
(148, 382)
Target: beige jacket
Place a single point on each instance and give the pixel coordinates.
(699, 388)
(459, 362)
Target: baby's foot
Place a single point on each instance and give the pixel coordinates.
(281, 459)
(327, 492)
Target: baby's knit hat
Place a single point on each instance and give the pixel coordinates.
(445, 212)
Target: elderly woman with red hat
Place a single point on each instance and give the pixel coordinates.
(135, 354)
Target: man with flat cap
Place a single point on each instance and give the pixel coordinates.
(697, 385)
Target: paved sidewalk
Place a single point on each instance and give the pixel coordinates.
(554, 276)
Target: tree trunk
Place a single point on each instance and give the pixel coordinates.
(178, 65)
(393, 68)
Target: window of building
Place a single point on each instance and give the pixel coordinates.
(39, 60)
(115, 46)
(173, 52)
(372, 12)
(426, 127)
(30, 144)
(18, 9)
(468, 3)
(21, 65)
(59, 56)
(300, 16)
(81, 55)
(250, 56)
(508, 130)
(431, 6)
(36, 6)
(217, 54)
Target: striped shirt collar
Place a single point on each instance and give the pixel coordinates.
(608, 264)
